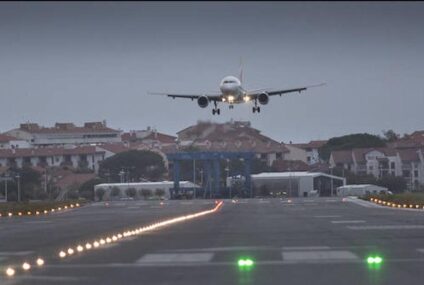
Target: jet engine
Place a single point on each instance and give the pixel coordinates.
(263, 98)
(203, 101)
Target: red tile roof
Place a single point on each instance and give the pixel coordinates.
(409, 154)
(290, 165)
(163, 138)
(233, 136)
(5, 138)
(312, 144)
(342, 156)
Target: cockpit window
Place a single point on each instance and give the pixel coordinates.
(229, 81)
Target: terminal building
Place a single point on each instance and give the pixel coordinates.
(298, 184)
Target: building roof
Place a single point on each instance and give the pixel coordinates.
(5, 138)
(360, 153)
(51, 151)
(342, 156)
(160, 183)
(163, 138)
(312, 144)
(293, 174)
(230, 136)
(89, 127)
(409, 154)
(287, 165)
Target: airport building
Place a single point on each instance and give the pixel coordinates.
(142, 189)
(298, 184)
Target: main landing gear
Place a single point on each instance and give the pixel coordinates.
(216, 110)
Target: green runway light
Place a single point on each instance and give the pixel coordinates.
(245, 262)
(374, 260)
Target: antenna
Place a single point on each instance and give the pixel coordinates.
(241, 70)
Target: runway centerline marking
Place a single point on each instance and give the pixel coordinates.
(319, 255)
(176, 257)
(348, 222)
(387, 227)
(328, 216)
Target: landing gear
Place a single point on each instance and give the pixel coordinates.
(216, 110)
(256, 108)
(231, 106)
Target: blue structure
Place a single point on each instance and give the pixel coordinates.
(211, 162)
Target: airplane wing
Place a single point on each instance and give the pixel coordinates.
(256, 93)
(211, 97)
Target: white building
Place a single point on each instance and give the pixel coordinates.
(66, 134)
(312, 150)
(76, 157)
(360, 190)
(9, 142)
(297, 184)
(163, 186)
(381, 162)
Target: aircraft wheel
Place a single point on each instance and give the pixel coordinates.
(259, 109)
(218, 111)
(213, 111)
(254, 109)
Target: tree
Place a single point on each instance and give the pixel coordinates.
(30, 184)
(100, 192)
(264, 191)
(141, 164)
(350, 142)
(395, 184)
(391, 136)
(131, 192)
(146, 193)
(115, 191)
(86, 190)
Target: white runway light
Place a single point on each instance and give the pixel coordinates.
(26, 266)
(10, 271)
(40, 262)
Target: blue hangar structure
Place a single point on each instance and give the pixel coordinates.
(212, 170)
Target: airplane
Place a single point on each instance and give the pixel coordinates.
(232, 93)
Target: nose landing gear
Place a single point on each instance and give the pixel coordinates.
(216, 110)
(256, 108)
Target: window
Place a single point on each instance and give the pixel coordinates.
(415, 173)
(392, 165)
(308, 159)
(279, 155)
(263, 155)
(406, 173)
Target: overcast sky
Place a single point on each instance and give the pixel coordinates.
(77, 62)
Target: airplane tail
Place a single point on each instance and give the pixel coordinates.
(241, 70)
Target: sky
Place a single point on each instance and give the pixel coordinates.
(94, 61)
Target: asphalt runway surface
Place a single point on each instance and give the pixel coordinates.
(302, 241)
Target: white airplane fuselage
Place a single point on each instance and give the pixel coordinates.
(232, 90)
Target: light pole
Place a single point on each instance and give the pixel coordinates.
(227, 169)
(19, 187)
(194, 179)
(121, 175)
